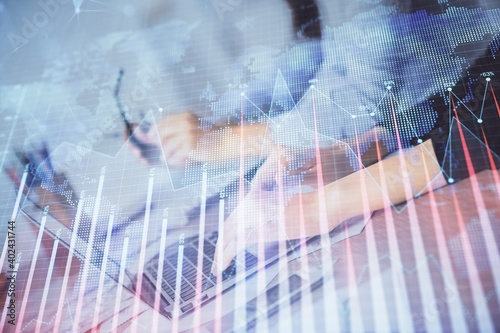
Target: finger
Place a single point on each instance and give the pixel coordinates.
(228, 255)
(143, 137)
(180, 154)
(217, 258)
(266, 174)
(308, 166)
(165, 132)
(225, 238)
(223, 256)
(137, 153)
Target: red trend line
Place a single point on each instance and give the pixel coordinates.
(470, 263)
(455, 311)
(402, 303)
(492, 163)
(486, 226)
(427, 292)
(319, 174)
(377, 289)
(326, 257)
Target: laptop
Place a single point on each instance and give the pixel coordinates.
(248, 264)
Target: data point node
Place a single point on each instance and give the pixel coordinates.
(488, 79)
(160, 109)
(451, 180)
(389, 87)
(77, 10)
(480, 121)
(449, 89)
(419, 140)
(312, 86)
(242, 94)
(353, 116)
(372, 114)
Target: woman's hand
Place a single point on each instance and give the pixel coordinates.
(263, 217)
(179, 135)
(336, 159)
(334, 165)
(301, 218)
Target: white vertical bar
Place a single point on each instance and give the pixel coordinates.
(4, 312)
(88, 253)
(74, 235)
(491, 245)
(159, 278)
(47, 283)
(377, 288)
(306, 302)
(455, 309)
(240, 288)
(218, 299)
(424, 278)
(403, 310)
(14, 212)
(329, 290)
(19, 324)
(261, 310)
(119, 288)
(142, 255)
(484, 321)
(201, 239)
(178, 278)
(285, 317)
(102, 274)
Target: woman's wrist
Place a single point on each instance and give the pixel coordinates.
(339, 206)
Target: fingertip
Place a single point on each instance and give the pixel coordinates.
(213, 270)
(215, 263)
(229, 254)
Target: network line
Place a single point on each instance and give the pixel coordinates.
(348, 147)
(358, 157)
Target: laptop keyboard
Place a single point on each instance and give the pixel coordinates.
(190, 265)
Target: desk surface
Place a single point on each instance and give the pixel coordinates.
(369, 261)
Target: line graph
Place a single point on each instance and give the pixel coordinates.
(399, 209)
(350, 148)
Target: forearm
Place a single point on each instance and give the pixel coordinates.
(390, 181)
